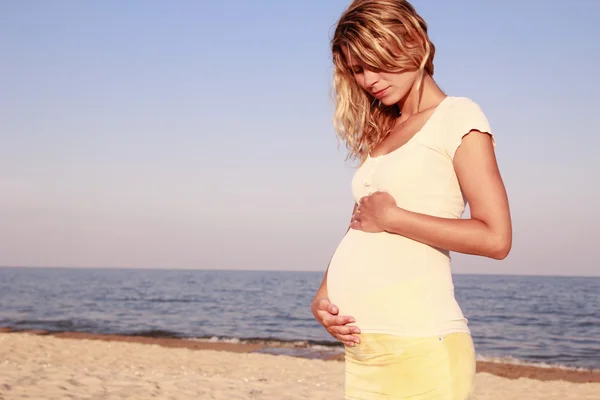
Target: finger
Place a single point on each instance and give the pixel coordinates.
(333, 309)
(332, 320)
(324, 316)
(328, 319)
(343, 330)
(349, 340)
(350, 330)
(327, 308)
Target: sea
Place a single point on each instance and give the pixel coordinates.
(544, 321)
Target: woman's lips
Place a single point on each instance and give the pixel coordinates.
(381, 92)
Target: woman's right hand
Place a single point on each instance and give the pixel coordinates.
(326, 314)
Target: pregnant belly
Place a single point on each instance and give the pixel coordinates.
(388, 281)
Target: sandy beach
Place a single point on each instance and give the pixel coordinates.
(38, 365)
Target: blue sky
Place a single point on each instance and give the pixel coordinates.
(199, 134)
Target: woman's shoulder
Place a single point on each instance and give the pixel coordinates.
(464, 105)
(461, 116)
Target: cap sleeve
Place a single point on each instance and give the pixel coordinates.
(464, 115)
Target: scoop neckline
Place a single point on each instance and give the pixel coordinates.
(435, 110)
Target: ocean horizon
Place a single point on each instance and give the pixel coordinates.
(160, 268)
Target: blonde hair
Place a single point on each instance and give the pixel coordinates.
(385, 35)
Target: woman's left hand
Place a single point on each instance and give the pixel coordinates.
(373, 212)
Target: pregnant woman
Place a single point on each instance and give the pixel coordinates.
(388, 293)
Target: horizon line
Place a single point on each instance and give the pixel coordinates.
(267, 270)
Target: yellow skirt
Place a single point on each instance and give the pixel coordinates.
(392, 367)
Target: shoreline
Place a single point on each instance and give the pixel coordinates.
(504, 370)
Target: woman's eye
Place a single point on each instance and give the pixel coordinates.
(357, 70)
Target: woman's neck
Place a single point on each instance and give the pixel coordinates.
(430, 96)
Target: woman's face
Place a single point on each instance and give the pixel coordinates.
(389, 87)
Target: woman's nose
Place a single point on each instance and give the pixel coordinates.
(371, 78)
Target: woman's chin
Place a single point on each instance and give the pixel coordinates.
(388, 101)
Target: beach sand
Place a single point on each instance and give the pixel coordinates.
(39, 365)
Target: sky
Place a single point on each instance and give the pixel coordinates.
(198, 134)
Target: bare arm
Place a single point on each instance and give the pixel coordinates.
(489, 230)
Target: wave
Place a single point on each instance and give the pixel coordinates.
(516, 361)
(151, 300)
(156, 333)
(271, 341)
(55, 324)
